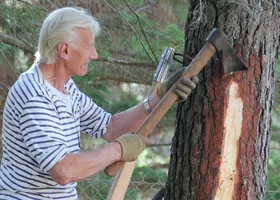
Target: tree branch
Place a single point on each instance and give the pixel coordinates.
(27, 48)
(122, 62)
(275, 148)
(124, 73)
(118, 70)
(29, 5)
(16, 43)
(142, 29)
(142, 8)
(135, 33)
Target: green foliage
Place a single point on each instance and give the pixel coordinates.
(21, 22)
(276, 107)
(91, 87)
(8, 50)
(273, 181)
(137, 2)
(94, 188)
(120, 36)
(149, 157)
(174, 34)
(97, 188)
(180, 11)
(119, 106)
(149, 175)
(278, 68)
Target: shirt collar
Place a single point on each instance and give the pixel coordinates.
(38, 76)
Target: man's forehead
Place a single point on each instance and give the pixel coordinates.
(86, 35)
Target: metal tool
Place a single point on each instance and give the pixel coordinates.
(216, 42)
(162, 68)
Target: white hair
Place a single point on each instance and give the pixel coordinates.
(59, 26)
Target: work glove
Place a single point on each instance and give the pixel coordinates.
(132, 145)
(182, 89)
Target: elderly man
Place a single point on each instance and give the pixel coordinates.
(45, 113)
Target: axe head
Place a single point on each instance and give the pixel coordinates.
(229, 60)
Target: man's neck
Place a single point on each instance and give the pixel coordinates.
(55, 74)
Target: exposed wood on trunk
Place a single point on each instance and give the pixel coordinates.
(233, 123)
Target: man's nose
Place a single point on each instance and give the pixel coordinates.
(94, 54)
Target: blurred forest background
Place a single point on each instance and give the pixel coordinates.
(133, 37)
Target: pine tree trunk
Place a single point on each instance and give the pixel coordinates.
(221, 143)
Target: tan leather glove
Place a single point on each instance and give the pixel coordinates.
(182, 89)
(132, 145)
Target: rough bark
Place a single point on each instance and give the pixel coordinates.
(220, 148)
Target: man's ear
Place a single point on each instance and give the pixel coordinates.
(63, 50)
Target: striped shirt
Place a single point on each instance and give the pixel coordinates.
(38, 131)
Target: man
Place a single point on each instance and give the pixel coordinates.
(45, 112)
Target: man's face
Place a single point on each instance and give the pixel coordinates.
(82, 53)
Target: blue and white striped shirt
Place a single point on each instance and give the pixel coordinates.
(39, 131)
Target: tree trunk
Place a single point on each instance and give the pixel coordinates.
(221, 143)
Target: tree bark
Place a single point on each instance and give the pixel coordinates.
(221, 143)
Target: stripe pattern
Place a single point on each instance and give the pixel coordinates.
(38, 131)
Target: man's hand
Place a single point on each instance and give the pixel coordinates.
(182, 89)
(132, 145)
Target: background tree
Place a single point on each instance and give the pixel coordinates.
(221, 144)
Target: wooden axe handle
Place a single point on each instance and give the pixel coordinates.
(169, 98)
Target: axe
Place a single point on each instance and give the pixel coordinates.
(216, 42)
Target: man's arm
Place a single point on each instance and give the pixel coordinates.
(129, 120)
(77, 166)
(74, 167)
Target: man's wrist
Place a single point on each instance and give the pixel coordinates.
(147, 105)
(117, 148)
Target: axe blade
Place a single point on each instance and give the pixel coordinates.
(229, 59)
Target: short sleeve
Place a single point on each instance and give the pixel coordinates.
(93, 119)
(41, 130)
